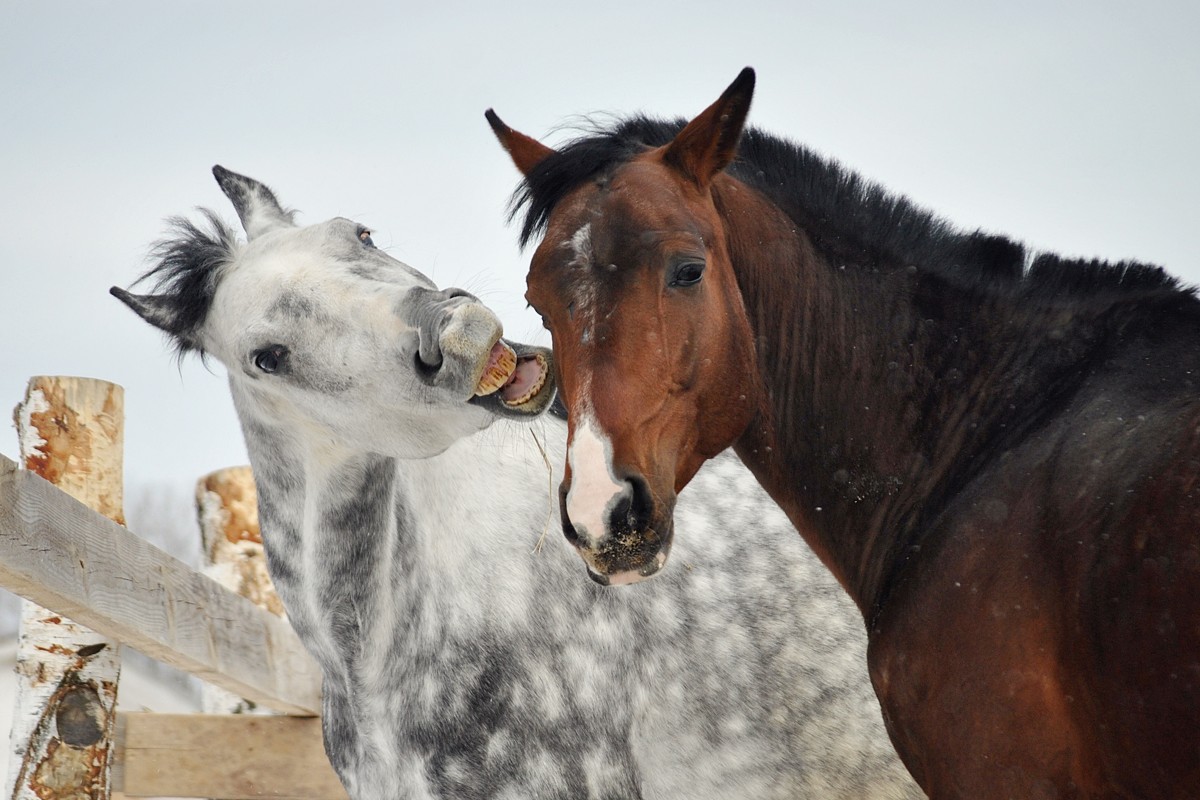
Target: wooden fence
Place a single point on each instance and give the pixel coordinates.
(63, 547)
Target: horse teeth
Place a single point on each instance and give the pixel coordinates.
(535, 388)
(495, 375)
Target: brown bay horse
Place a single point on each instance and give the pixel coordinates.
(996, 453)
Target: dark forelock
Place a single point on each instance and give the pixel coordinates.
(186, 269)
(585, 158)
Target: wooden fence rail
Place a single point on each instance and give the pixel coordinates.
(79, 564)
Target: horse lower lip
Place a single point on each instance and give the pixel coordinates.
(628, 578)
(598, 578)
(534, 387)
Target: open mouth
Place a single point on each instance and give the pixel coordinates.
(515, 379)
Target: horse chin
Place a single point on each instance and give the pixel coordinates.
(528, 389)
(609, 568)
(629, 577)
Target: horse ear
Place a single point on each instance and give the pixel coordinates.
(160, 311)
(256, 205)
(709, 142)
(525, 151)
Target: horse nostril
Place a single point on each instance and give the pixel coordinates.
(633, 511)
(453, 292)
(427, 370)
(569, 531)
(622, 518)
(434, 312)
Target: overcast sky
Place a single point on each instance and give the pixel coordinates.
(1074, 128)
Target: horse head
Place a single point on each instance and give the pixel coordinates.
(321, 330)
(634, 281)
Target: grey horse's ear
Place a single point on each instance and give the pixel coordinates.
(160, 311)
(256, 205)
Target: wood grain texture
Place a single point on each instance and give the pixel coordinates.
(58, 553)
(226, 757)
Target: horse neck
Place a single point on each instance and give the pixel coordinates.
(419, 541)
(485, 503)
(879, 394)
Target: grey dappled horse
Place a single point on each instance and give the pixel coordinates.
(404, 493)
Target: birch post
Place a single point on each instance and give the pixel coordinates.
(227, 509)
(71, 433)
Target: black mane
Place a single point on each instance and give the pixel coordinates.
(185, 274)
(850, 219)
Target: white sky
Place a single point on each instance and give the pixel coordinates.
(1072, 127)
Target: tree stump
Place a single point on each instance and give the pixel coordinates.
(71, 432)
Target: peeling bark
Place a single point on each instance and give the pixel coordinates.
(227, 509)
(71, 432)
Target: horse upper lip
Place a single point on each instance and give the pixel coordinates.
(450, 338)
(498, 369)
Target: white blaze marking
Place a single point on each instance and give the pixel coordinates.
(580, 244)
(583, 288)
(594, 488)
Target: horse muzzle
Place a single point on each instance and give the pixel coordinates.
(634, 542)
(629, 576)
(460, 350)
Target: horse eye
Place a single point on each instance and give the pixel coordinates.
(364, 236)
(688, 274)
(268, 360)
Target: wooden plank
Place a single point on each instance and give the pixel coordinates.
(227, 757)
(58, 553)
(71, 433)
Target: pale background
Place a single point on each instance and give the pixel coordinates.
(1072, 127)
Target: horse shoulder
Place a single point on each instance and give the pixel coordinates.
(1136, 636)
(1006, 623)
(964, 658)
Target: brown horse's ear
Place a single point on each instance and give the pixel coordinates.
(526, 152)
(709, 142)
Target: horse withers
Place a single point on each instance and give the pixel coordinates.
(404, 496)
(995, 452)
